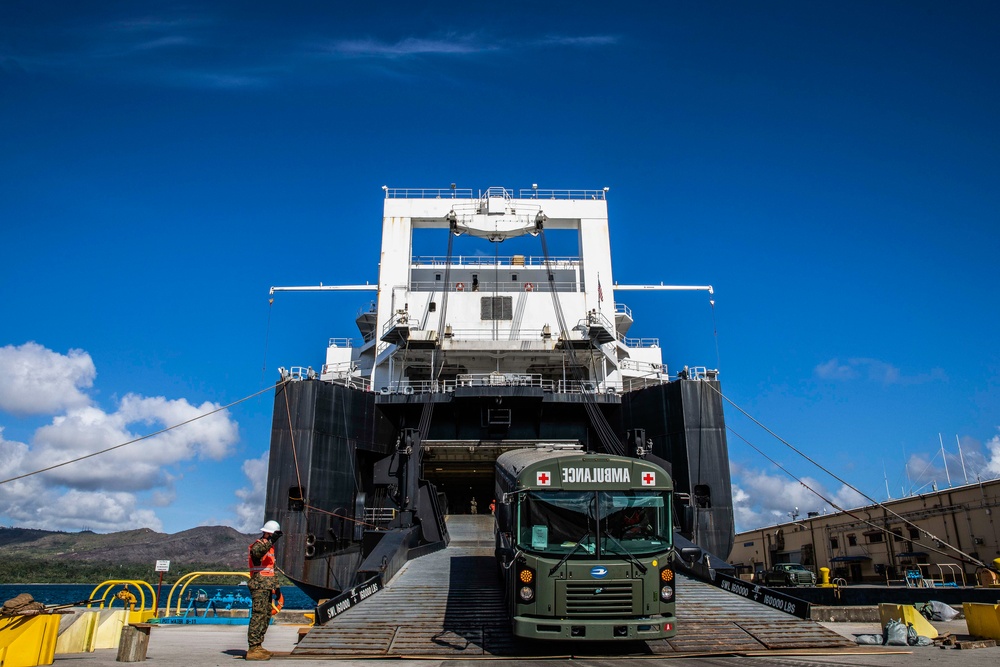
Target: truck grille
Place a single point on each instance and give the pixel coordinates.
(599, 599)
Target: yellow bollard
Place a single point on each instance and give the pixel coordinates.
(824, 578)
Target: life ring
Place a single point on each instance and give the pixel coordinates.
(528, 287)
(459, 287)
(277, 601)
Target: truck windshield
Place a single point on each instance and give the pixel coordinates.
(557, 522)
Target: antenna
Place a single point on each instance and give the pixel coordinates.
(962, 457)
(945, 459)
(906, 469)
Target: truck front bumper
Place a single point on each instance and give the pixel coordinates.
(624, 629)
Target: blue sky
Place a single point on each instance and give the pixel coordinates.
(831, 168)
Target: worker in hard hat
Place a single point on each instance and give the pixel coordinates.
(262, 585)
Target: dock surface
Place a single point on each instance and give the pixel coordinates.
(446, 609)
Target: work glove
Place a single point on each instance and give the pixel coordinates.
(275, 536)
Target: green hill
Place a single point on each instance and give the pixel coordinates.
(41, 556)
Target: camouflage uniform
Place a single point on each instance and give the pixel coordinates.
(261, 588)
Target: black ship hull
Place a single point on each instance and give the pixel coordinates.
(360, 480)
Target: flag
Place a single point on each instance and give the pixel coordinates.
(600, 292)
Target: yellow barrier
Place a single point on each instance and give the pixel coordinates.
(26, 641)
(186, 580)
(79, 634)
(983, 619)
(109, 628)
(140, 615)
(906, 613)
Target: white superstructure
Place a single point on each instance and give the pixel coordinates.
(447, 319)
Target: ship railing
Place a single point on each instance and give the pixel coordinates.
(588, 387)
(597, 318)
(639, 342)
(345, 373)
(535, 193)
(400, 319)
(408, 387)
(428, 193)
(504, 287)
(412, 387)
(513, 261)
(500, 380)
(340, 342)
(622, 309)
(296, 373)
(698, 373)
(468, 193)
(638, 366)
(643, 381)
(500, 335)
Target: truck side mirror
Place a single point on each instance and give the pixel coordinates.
(690, 554)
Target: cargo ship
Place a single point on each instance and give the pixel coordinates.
(495, 325)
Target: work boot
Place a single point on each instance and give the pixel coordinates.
(258, 653)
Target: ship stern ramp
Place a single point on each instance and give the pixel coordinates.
(448, 604)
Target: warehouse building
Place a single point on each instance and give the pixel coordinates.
(872, 545)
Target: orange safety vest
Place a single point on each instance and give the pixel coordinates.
(266, 567)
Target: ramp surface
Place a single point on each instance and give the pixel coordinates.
(449, 604)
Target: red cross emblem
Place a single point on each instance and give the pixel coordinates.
(648, 478)
(544, 479)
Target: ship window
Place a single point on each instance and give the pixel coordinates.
(914, 533)
(852, 540)
(496, 308)
(432, 306)
(513, 277)
(897, 535)
(834, 543)
(437, 276)
(702, 496)
(296, 499)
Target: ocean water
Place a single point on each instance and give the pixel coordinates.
(224, 597)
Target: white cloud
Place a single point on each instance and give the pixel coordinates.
(992, 467)
(250, 509)
(30, 503)
(37, 380)
(834, 370)
(454, 45)
(874, 370)
(106, 492)
(762, 499)
(139, 466)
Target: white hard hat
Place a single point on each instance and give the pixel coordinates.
(270, 527)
